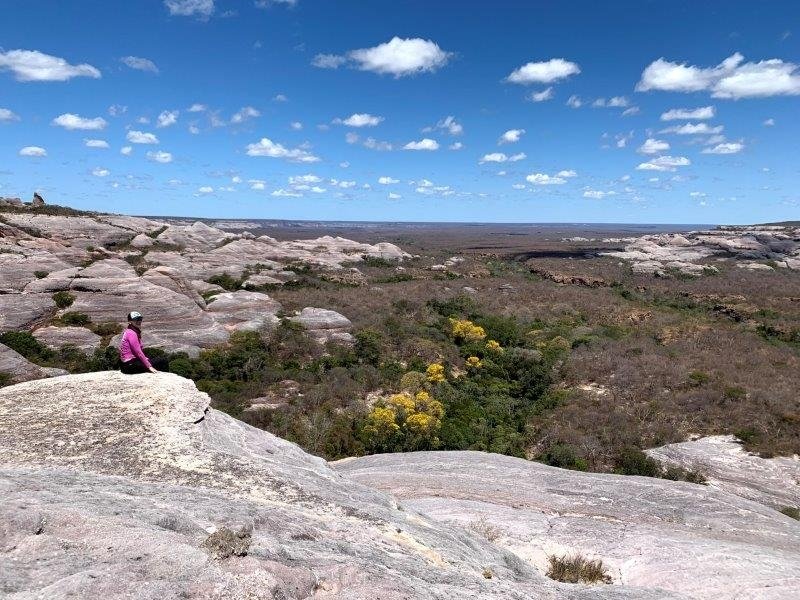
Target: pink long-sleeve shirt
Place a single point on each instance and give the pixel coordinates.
(131, 347)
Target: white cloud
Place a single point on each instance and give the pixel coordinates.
(167, 118)
(544, 179)
(511, 136)
(686, 114)
(456, 146)
(500, 157)
(160, 157)
(518, 186)
(653, 146)
(574, 101)
(567, 174)
(73, 122)
(35, 151)
(195, 108)
(423, 144)
(139, 137)
(328, 61)
(732, 78)
(280, 98)
(615, 102)
(257, 184)
(633, 110)
(116, 110)
(189, 8)
(351, 137)
(343, 184)
(266, 147)
(32, 65)
(694, 129)
(7, 116)
(287, 193)
(140, 64)
(245, 113)
(143, 121)
(597, 194)
(543, 96)
(296, 125)
(296, 180)
(374, 144)
(387, 180)
(95, 143)
(206, 189)
(126, 150)
(193, 129)
(393, 196)
(360, 120)
(236, 179)
(725, 148)
(767, 123)
(543, 72)
(664, 163)
(100, 172)
(697, 194)
(450, 125)
(400, 57)
(344, 164)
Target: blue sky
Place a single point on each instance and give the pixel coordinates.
(625, 111)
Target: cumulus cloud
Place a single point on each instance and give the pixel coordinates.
(423, 144)
(732, 78)
(139, 137)
(72, 122)
(296, 125)
(544, 179)
(725, 148)
(615, 102)
(206, 189)
(694, 129)
(597, 194)
(574, 101)
(167, 118)
(266, 147)
(767, 123)
(401, 57)
(34, 151)
(160, 157)
(653, 146)
(140, 64)
(245, 113)
(100, 172)
(629, 112)
(32, 65)
(6, 116)
(501, 157)
(543, 72)
(196, 107)
(664, 163)
(687, 114)
(310, 178)
(280, 98)
(387, 180)
(126, 150)
(360, 120)
(450, 125)
(95, 143)
(511, 136)
(393, 196)
(286, 193)
(190, 8)
(258, 185)
(544, 95)
(456, 146)
(567, 173)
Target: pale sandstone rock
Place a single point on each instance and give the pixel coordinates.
(324, 325)
(142, 241)
(245, 311)
(19, 311)
(21, 369)
(111, 485)
(197, 236)
(80, 337)
(693, 540)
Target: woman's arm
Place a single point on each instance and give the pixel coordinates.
(136, 348)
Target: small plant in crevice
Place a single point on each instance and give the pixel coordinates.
(574, 568)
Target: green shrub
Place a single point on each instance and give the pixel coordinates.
(368, 346)
(575, 568)
(747, 434)
(27, 345)
(791, 511)
(698, 378)
(376, 261)
(106, 329)
(63, 299)
(5, 379)
(40, 274)
(734, 392)
(77, 319)
(632, 461)
(225, 281)
(563, 456)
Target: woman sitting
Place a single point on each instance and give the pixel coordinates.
(130, 348)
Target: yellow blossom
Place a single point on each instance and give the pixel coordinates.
(494, 346)
(420, 422)
(435, 373)
(402, 401)
(463, 329)
(473, 362)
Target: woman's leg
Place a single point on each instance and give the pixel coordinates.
(132, 367)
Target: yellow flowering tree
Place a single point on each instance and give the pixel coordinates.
(464, 330)
(404, 422)
(494, 346)
(435, 373)
(473, 362)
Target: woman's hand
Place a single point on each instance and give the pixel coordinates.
(153, 370)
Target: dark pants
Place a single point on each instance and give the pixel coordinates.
(132, 367)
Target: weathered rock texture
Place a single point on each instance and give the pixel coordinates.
(18, 368)
(113, 486)
(79, 337)
(693, 540)
(690, 253)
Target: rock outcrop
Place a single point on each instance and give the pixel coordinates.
(693, 540)
(325, 325)
(58, 337)
(18, 368)
(690, 253)
(119, 486)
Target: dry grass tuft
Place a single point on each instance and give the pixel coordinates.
(574, 568)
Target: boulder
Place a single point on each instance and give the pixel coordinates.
(142, 241)
(80, 337)
(37, 200)
(116, 486)
(20, 311)
(693, 540)
(325, 325)
(244, 311)
(19, 369)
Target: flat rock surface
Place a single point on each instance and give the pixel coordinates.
(80, 337)
(21, 369)
(774, 482)
(691, 539)
(111, 484)
(324, 325)
(18, 311)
